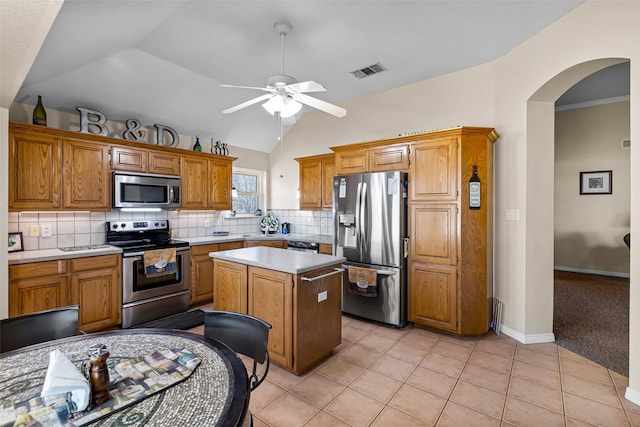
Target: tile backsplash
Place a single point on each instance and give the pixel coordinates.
(88, 228)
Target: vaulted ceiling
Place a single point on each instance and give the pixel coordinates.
(164, 61)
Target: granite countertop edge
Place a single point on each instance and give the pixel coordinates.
(293, 262)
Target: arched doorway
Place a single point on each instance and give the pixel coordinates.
(539, 199)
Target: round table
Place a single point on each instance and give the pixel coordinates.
(216, 393)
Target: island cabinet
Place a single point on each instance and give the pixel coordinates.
(201, 278)
(206, 182)
(316, 181)
(92, 283)
(450, 254)
(303, 308)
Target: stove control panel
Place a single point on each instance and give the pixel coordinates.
(138, 225)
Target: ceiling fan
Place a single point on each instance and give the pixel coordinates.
(285, 95)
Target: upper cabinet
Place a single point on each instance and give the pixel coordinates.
(144, 161)
(53, 169)
(206, 182)
(378, 156)
(86, 176)
(316, 181)
(35, 171)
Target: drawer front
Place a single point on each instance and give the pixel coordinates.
(37, 269)
(94, 262)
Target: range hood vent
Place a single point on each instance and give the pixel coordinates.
(369, 71)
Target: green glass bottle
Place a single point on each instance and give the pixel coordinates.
(39, 115)
(197, 146)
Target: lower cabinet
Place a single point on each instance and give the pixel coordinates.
(93, 283)
(276, 243)
(96, 287)
(325, 248)
(270, 295)
(201, 279)
(433, 291)
(229, 286)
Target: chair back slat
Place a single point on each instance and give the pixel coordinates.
(35, 328)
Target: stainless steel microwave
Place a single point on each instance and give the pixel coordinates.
(145, 191)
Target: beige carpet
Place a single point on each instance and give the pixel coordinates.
(591, 318)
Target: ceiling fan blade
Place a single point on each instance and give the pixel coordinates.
(308, 86)
(319, 104)
(247, 103)
(264, 89)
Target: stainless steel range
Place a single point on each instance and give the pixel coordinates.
(149, 297)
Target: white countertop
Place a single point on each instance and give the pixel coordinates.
(56, 254)
(203, 240)
(24, 257)
(293, 262)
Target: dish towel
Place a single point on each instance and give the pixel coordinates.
(160, 262)
(62, 377)
(363, 281)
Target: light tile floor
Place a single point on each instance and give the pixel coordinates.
(383, 376)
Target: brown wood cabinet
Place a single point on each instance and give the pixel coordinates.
(326, 249)
(305, 329)
(144, 161)
(53, 169)
(93, 283)
(86, 176)
(375, 156)
(206, 183)
(316, 181)
(276, 243)
(229, 286)
(270, 298)
(450, 256)
(35, 170)
(201, 278)
(97, 288)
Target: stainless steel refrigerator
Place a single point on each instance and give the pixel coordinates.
(370, 220)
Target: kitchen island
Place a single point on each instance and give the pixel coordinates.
(298, 293)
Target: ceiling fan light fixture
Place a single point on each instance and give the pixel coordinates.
(290, 108)
(273, 104)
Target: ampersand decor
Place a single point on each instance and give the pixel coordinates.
(134, 131)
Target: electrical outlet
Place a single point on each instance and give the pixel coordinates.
(207, 223)
(45, 230)
(34, 230)
(309, 221)
(323, 223)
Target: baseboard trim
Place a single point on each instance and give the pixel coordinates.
(528, 339)
(587, 271)
(632, 395)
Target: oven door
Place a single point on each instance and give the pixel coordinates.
(136, 286)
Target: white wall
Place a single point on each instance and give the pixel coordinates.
(501, 94)
(588, 229)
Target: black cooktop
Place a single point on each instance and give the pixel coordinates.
(143, 235)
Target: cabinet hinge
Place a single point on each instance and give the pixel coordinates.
(293, 284)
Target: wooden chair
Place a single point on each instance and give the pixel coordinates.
(34, 328)
(244, 334)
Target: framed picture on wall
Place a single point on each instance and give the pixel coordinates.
(15, 242)
(595, 182)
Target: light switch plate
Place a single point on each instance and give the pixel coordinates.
(45, 230)
(34, 230)
(207, 223)
(309, 221)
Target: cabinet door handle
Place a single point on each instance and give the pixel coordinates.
(322, 276)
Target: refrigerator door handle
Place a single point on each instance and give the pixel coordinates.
(358, 215)
(364, 245)
(379, 272)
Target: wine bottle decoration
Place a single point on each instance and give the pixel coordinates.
(197, 146)
(474, 189)
(39, 114)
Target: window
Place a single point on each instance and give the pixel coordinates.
(249, 184)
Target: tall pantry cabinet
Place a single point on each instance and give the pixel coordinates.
(451, 245)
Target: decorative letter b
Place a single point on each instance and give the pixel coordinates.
(100, 123)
